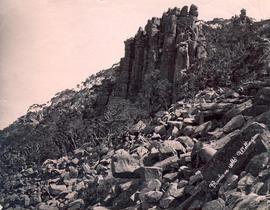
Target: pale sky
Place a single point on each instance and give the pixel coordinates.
(50, 45)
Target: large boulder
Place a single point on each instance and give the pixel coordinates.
(233, 157)
(234, 123)
(238, 109)
(201, 154)
(203, 129)
(123, 165)
(251, 201)
(175, 145)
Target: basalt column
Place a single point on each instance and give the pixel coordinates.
(124, 73)
(136, 74)
(168, 25)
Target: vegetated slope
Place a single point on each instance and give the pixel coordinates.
(172, 58)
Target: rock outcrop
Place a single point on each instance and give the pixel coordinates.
(170, 44)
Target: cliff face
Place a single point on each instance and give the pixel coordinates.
(169, 44)
(177, 55)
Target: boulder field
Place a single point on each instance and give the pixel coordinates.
(209, 153)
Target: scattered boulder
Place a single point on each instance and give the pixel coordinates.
(257, 163)
(203, 129)
(149, 173)
(153, 196)
(217, 204)
(57, 189)
(76, 205)
(160, 129)
(234, 123)
(124, 165)
(138, 127)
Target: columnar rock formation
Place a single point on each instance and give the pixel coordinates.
(170, 44)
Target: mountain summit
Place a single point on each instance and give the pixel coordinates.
(181, 122)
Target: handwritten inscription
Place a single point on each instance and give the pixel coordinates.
(213, 184)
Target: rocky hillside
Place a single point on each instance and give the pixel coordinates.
(211, 153)
(182, 122)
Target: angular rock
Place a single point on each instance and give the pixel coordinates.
(224, 140)
(188, 130)
(234, 123)
(175, 191)
(57, 189)
(155, 136)
(229, 184)
(177, 124)
(257, 163)
(182, 183)
(152, 158)
(217, 204)
(166, 202)
(76, 205)
(160, 129)
(186, 172)
(148, 173)
(153, 184)
(71, 196)
(124, 200)
(237, 109)
(141, 151)
(203, 129)
(245, 183)
(195, 178)
(166, 151)
(176, 145)
(201, 154)
(153, 196)
(123, 165)
(258, 188)
(169, 164)
(170, 177)
(138, 127)
(186, 141)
